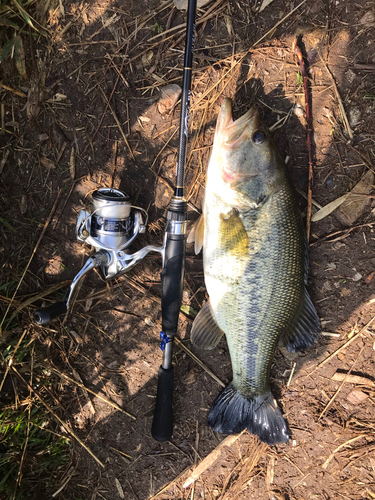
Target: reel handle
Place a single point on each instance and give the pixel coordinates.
(45, 315)
(162, 425)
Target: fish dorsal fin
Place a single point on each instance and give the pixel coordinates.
(196, 234)
(233, 234)
(205, 333)
(304, 330)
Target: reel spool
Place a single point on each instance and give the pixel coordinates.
(110, 223)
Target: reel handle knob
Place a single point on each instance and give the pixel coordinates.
(162, 425)
(45, 315)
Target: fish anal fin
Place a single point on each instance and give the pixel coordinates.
(205, 333)
(197, 234)
(305, 329)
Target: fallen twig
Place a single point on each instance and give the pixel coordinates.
(211, 458)
(118, 124)
(32, 256)
(305, 78)
(342, 384)
(325, 465)
(359, 334)
(341, 106)
(111, 403)
(64, 424)
(197, 360)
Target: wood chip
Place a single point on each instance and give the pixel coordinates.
(353, 379)
(210, 459)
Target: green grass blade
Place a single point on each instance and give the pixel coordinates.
(3, 53)
(2, 221)
(25, 15)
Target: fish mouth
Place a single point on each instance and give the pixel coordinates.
(233, 134)
(239, 131)
(235, 177)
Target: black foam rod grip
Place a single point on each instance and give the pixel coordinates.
(172, 278)
(162, 425)
(44, 316)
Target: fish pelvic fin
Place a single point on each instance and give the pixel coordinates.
(197, 234)
(305, 329)
(205, 333)
(232, 413)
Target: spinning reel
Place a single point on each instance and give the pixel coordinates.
(110, 227)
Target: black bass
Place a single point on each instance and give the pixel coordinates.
(255, 259)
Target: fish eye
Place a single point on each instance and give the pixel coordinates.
(259, 137)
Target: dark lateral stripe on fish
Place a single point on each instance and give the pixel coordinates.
(232, 413)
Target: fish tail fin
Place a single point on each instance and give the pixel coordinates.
(232, 412)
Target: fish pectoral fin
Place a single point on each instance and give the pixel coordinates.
(205, 333)
(233, 235)
(196, 234)
(305, 329)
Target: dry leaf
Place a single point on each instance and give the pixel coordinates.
(19, 55)
(46, 163)
(356, 397)
(265, 4)
(328, 209)
(147, 58)
(23, 204)
(88, 304)
(358, 203)
(228, 22)
(119, 488)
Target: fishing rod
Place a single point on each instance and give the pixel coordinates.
(111, 226)
(172, 276)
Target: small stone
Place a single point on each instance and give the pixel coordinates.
(331, 266)
(329, 182)
(338, 245)
(149, 322)
(368, 19)
(147, 58)
(354, 117)
(169, 95)
(327, 287)
(357, 277)
(350, 75)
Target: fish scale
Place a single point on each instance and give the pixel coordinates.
(255, 261)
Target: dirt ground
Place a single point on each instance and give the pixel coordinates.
(60, 141)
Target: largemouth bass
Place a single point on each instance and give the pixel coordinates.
(255, 259)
